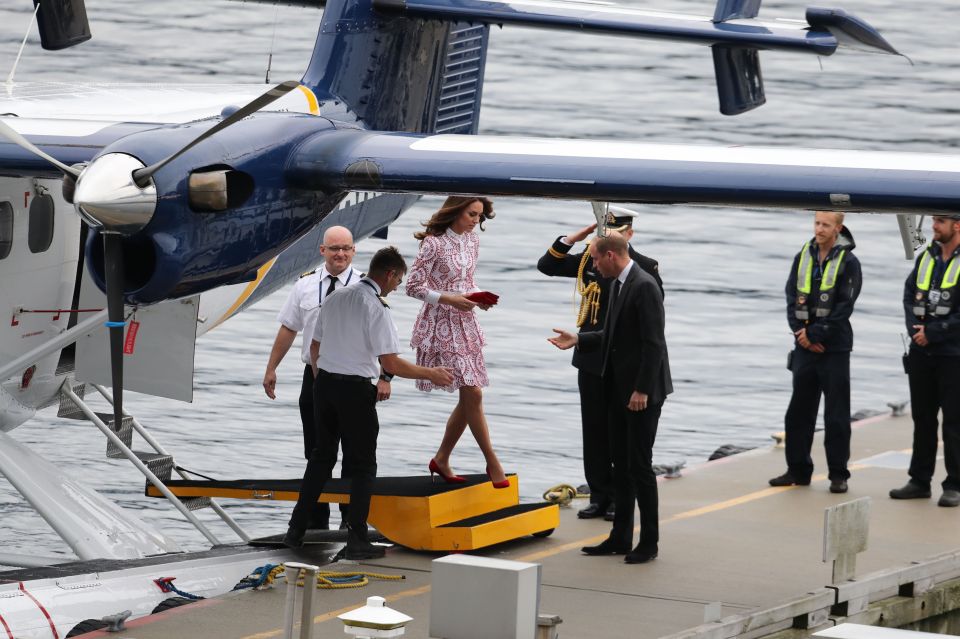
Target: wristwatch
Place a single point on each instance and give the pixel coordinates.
(386, 376)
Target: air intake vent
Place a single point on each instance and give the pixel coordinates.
(458, 110)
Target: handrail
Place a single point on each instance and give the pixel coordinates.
(147, 437)
(153, 479)
(65, 338)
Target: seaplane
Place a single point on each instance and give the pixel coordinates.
(134, 219)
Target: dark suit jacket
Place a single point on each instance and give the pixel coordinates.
(558, 262)
(632, 342)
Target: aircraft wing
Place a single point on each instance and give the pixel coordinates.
(614, 171)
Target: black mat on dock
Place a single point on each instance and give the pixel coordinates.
(418, 486)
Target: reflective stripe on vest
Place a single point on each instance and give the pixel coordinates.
(827, 284)
(925, 278)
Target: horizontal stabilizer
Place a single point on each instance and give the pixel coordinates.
(612, 19)
(739, 83)
(849, 30)
(736, 10)
(353, 160)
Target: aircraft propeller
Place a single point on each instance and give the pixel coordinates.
(26, 145)
(115, 194)
(142, 176)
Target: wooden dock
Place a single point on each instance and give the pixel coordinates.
(726, 537)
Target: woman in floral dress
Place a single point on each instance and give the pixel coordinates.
(447, 332)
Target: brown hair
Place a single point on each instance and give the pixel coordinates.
(611, 242)
(452, 207)
(386, 259)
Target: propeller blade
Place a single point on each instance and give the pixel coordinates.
(113, 274)
(23, 143)
(142, 176)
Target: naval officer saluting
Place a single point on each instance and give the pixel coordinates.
(354, 331)
(594, 290)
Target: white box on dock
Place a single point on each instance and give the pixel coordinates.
(482, 598)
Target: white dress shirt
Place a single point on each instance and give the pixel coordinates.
(299, 313)
(355, 329)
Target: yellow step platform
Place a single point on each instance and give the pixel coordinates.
(411, 511)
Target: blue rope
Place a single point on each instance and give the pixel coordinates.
(256, 578)
(171, 588)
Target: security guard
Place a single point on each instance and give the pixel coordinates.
(930, 304)
(595, 292)
(354, 331)
(300, 313)
(822, 287)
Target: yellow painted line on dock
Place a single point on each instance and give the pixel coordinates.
(573, 545)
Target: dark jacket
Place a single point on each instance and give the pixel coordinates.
(943, 332)
(833, 331)
(558, 262)
(632, 344)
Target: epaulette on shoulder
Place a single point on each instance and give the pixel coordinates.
(303, 275)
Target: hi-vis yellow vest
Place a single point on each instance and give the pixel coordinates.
(943, 301)
(828, 284)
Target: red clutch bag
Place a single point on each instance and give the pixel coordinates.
(483, 297)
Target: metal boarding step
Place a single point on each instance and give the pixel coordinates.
(160, 464)
(157, 465)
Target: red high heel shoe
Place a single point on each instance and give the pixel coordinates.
(434, 467)
(498, 484)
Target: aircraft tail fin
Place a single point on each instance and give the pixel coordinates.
(398, 72)
(739, 82)
(736, 9)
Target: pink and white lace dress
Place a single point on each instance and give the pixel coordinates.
(443, 335)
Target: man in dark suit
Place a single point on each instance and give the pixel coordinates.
(636, 376)
(594, 292)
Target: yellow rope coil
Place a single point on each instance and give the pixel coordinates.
(561, 494)
(325, 578)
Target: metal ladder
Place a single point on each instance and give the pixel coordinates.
(156, 466)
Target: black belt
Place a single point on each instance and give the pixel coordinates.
(342, 377)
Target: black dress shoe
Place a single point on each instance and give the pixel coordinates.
(294, 538)
(911, 490)
(591, 512)
(610, 514)
(787, 479)
(838, 486)
(359, 550)
(949, 498)
(607, 547)
(640, 555)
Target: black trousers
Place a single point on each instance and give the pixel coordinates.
(346, 412)
(815, 374)
(632, 434)
(935, 386)
(597, 460)
(321, 512)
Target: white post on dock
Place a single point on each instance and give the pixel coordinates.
(293, 571)
(846, 527)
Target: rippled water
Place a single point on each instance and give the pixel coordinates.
(723, 269)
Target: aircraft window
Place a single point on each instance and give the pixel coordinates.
(6, 229)
(40, 228)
